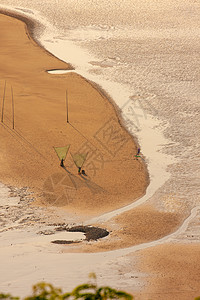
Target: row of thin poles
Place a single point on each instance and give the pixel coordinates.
(67, 107)
(13, 110)
(3, 105)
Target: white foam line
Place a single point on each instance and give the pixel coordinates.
(31, 14)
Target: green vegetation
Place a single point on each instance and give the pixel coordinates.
(88, 291)
(46, 291)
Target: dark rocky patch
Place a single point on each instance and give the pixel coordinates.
(91, 233)
(64, 242)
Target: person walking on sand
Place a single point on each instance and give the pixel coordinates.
(62, 163)
(138, 154)
(62, 153)
(79, 170)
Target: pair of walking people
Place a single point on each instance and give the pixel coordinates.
(80, 171)
(78, 158)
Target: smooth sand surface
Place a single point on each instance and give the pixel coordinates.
(173, 272)
(27, 158)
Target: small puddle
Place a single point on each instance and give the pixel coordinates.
(56, 72)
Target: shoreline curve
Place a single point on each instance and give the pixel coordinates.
(115, 116)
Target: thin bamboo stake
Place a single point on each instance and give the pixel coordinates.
(2, 111)
(13, 111)
(67, 107)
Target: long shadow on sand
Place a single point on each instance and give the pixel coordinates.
(81, 181)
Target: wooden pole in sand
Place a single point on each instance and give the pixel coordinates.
(67, 107)
(13, 112)
(2, 110)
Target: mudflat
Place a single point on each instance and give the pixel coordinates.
(114, 177)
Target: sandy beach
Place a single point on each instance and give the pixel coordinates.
(40, 124)
(173, 271)
(52, 197)
(115, 177)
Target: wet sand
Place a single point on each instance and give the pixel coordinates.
(173, 272)
(137, 226)
(114, 178)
